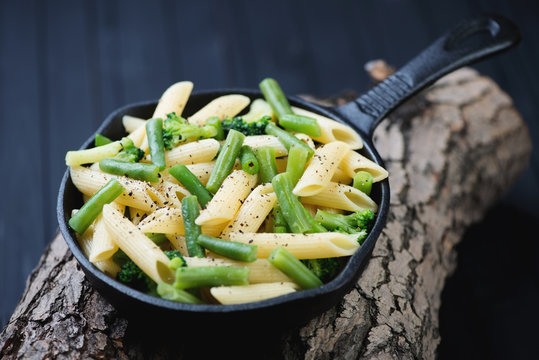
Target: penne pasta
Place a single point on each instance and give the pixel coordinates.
(248, 293)
(222, 107)
(302, 246)
(132, 123)
(332, 130)
(227, 200)
(178, 243)
(194, 152)
(321, 168)
(103, 246)
(140, 249)
(343, 197)
(85, 241)
(253, 211)
(354, 162)
(257, 141)
(137, 194)
(165, 220)
(173, 99)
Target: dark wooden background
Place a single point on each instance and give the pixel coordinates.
(64, 65)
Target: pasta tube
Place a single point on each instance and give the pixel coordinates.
(143, 251)
(342, 197)
(222, 107)
(302, 246)
(249, 293)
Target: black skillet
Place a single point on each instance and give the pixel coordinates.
(468, 42)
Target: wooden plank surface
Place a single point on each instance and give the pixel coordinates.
(64, 65)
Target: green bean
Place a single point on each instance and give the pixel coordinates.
(301, 124)
(216, 123)
(138, 171)
(231, 249)
(191, 183)
(275, 97)
(93, 207)
(363, 181)
(288, 139)
(295, 165)
(248, 160)
(279, 222)
(293, 211)
(225, 160)
(101, 140)
(190, 212)
(268, 165)
(169, 292)
(154, 133)
(157, 238)
(192, 277)
(283, 260)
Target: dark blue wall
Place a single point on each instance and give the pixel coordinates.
(64, 65)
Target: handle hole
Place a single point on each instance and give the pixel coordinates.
(472, 35)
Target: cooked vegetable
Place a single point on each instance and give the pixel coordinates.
(275, 97)
(177, 130)
(191, 183)
(93, 207)
(230, 249)
(293, 211)
(193, 277)
(248, 160)
(101, 140)
(325, 269)
(297, 160)
(294, 268)
(300, 124)
(237, 123)
(358, 222)
(268, 166)
(363, 181)
(154, 133)
(225, 160)
(134, 170)
(190, 212)
(287, 139)
(169, 292)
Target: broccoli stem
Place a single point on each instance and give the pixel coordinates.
(275, 97)
(169, 292)
(231, 249)
(363, 181)
(154, 133)
(138, 171)
(295, 165)
(248, 160)
(191, 183)
(93, 207)
(192, 277)
(190, 212)
(301, 124)
(216, 123)
(268, 165)
(225, 160)
(293, 211)
(288, 139)
(294, 268)
(335, 221)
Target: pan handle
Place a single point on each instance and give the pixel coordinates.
(468, 42)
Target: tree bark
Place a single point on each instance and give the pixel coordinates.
(451, 152)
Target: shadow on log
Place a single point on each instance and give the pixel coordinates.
(451, 152)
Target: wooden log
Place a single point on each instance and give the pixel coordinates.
(451, 152)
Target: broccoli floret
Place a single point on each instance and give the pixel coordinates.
(129, 153)
(177, 130)
(237, 123)
(325, 269)
(358, 222)
(130, 274)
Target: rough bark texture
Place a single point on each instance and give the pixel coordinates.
(451, 152)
